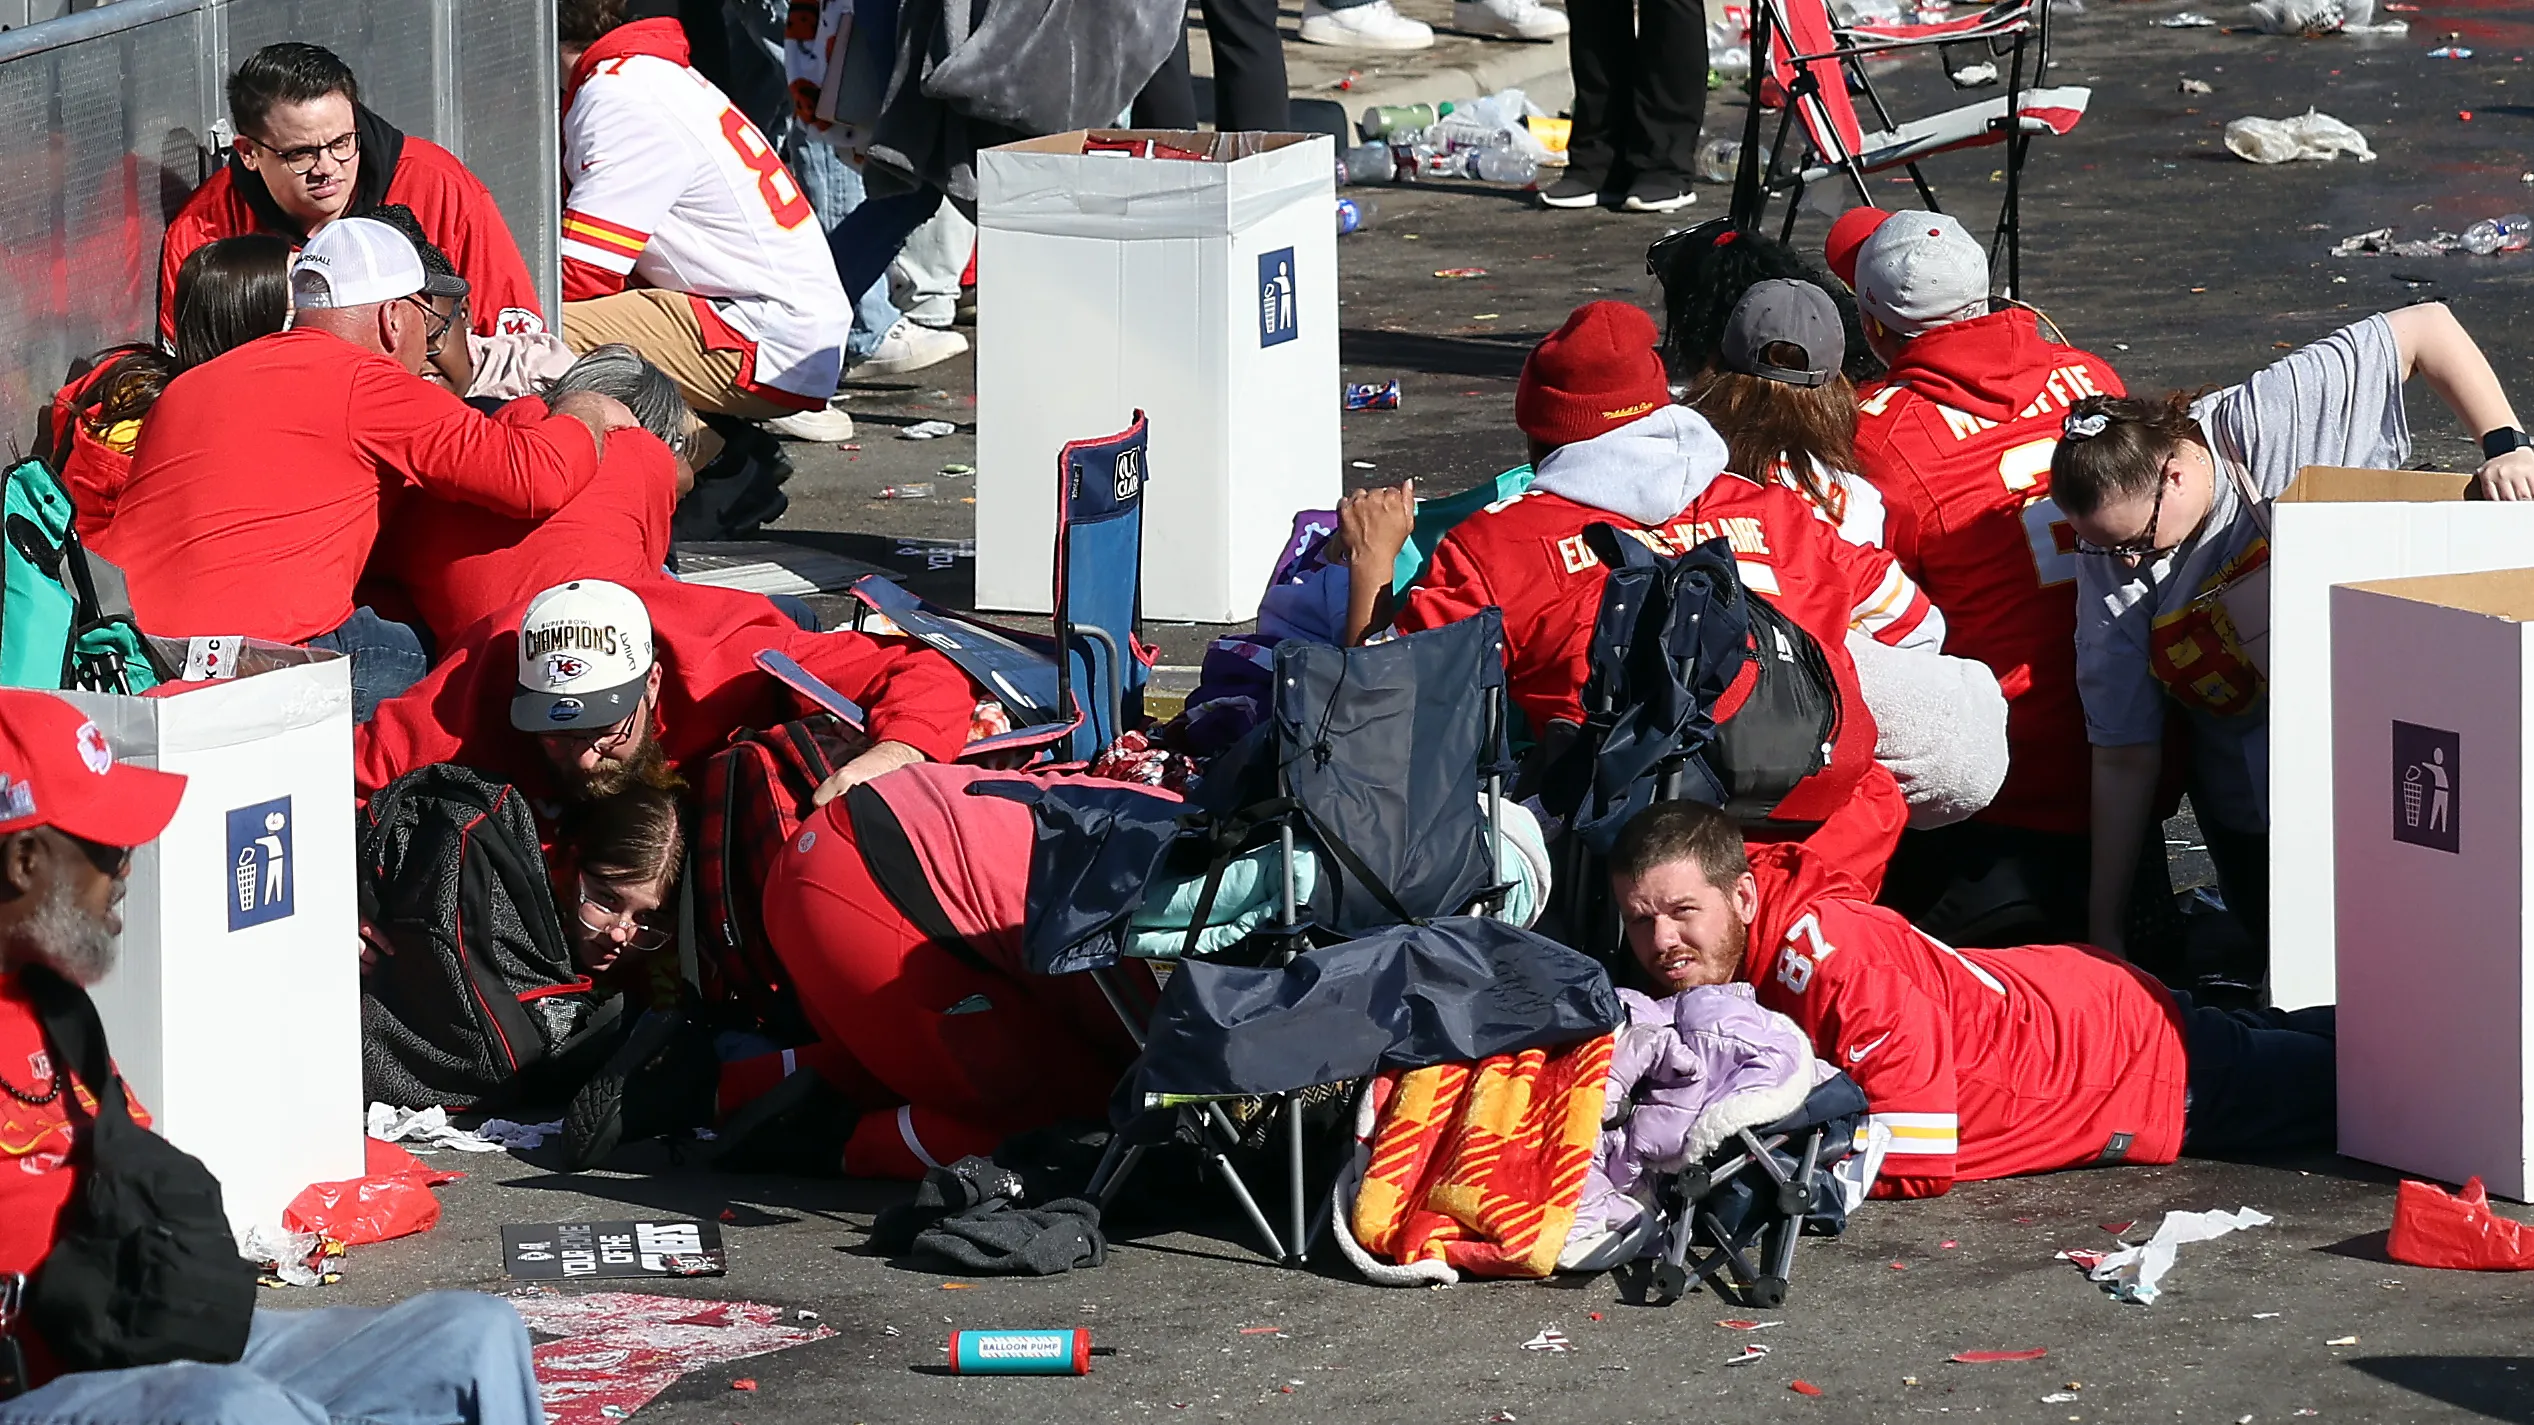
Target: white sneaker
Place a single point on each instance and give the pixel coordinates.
(1373, 26)
(1508, 19)
(910, 347)
(824, 426)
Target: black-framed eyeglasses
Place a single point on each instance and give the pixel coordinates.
(439, 323)
(2145, 544)
(342, 148)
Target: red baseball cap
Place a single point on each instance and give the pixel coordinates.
(56, 770)
(1847, 235)
(1591, 376)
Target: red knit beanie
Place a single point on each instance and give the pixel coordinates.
(1591, 376)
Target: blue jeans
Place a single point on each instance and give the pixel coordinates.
(387, 658)
(869, 238)
(449, 1358)
(2261, 1080)
(834, 189)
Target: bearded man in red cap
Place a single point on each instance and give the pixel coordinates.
(1612, 447)
(1959, 436)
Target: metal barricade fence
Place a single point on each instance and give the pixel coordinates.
(111, 116)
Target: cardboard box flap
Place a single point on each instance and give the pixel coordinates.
(2336, 484)
(1050, 187)
(2498, 593)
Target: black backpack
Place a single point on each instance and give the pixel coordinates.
(1671, 637)
(481, 999)
(144, 1270)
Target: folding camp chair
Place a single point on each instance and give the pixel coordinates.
(1796, 48)
(1734, 1219)
(1067, 706)
(1377, 756)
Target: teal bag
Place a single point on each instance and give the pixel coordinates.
(53, 634)
(1436, 518)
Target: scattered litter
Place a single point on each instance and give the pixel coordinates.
(1909, 1380)
(911, 490)
(1900, 1266)
(891, 1331)
(2436, 1228)
(1593, 1315)
(1459, 272)
(425, 1129)
(2119, 1227)
(1360, 464)
(1549, 1339)
(805, 1314)
(612, 1352)
(1947, 1245)
(958, 1286)
(1975, 76)
(744, 1383)
(1348, 83)
(1383, 396)
(2379, 243)
(928, 430)
(2265, 1316)
(2312, 134)
(2342, 1341)
(1502, 1416)
(1803, 1387)
(1610, 1368)
(2187, 20)
(850, 445)
(2320, 17)
(1262, 1330)
(2198, 86)
(2059, 1397)
(959, 470)
(2133, 1273)
(1735, 1324)
(292, 1258)
(729, 1215)
(2084, 1259)
(1984, 1358)
(1484, 316)
(2450, 52)
(1753, 1352)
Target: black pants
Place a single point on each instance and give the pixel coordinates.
(2243, 877)
(1249, 74)
(1973, 883)
(1640, 88)
(2261, 1080)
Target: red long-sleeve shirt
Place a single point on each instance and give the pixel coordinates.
(254, 495)
(455, 209)
(706, 640)
(1979, 1063)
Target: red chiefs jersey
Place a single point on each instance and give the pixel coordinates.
(1976, 1063)
(1960, 436)
(1527, 556)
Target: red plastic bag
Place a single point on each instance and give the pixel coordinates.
(2436, 1228)
(395, 1200)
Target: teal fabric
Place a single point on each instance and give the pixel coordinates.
(1435, 519)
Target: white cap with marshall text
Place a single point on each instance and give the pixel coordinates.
(584, 657)
(355, 262)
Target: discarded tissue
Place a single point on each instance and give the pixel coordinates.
(2308, 135)
(2133, 1273)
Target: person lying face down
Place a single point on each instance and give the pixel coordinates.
(1975, 1063)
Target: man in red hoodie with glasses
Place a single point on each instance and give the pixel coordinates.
(1959, 435)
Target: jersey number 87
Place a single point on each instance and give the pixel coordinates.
(782, 194)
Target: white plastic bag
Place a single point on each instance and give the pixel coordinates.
(2309, 135)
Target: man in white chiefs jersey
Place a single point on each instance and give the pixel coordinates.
(684, 236)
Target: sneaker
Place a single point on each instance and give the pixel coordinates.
(1372, 26)
(1508, 19)
(909, 347)
(663, 1079)
(1658, 195)
(826, 425)
(1575, 190)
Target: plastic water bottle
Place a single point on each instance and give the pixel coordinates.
(1356, 214)
(1366, 163)
(1503, 165)
(2511, 233)
(1390, 120)
(1719, 160)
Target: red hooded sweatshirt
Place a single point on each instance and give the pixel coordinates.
(1663, 477)
(706, 641)
(1960, 436)
(1977, 1063)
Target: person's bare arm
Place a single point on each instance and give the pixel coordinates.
(2124, 804)
(882, 759)
(1373, 526)
(2436, 347)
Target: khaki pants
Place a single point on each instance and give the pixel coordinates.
(662, 326)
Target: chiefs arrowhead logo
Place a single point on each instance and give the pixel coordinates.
(93, 749)
(563, 668)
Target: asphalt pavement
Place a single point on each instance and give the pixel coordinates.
(2147, 243)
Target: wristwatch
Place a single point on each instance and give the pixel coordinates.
(2506, 438)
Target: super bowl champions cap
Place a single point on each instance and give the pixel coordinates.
(584, 657)
(355, 262)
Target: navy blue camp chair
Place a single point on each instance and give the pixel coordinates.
(1064, 705)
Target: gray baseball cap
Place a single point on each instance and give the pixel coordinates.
(1798, 314)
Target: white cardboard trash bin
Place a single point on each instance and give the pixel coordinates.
(2336, 526)
(2433, 725)
(1203, 293)
(234, 1008)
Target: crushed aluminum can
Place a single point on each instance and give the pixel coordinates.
(1372, 397)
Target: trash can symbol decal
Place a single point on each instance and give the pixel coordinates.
(2427, 787)
(260, 871)
(1279, 302)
